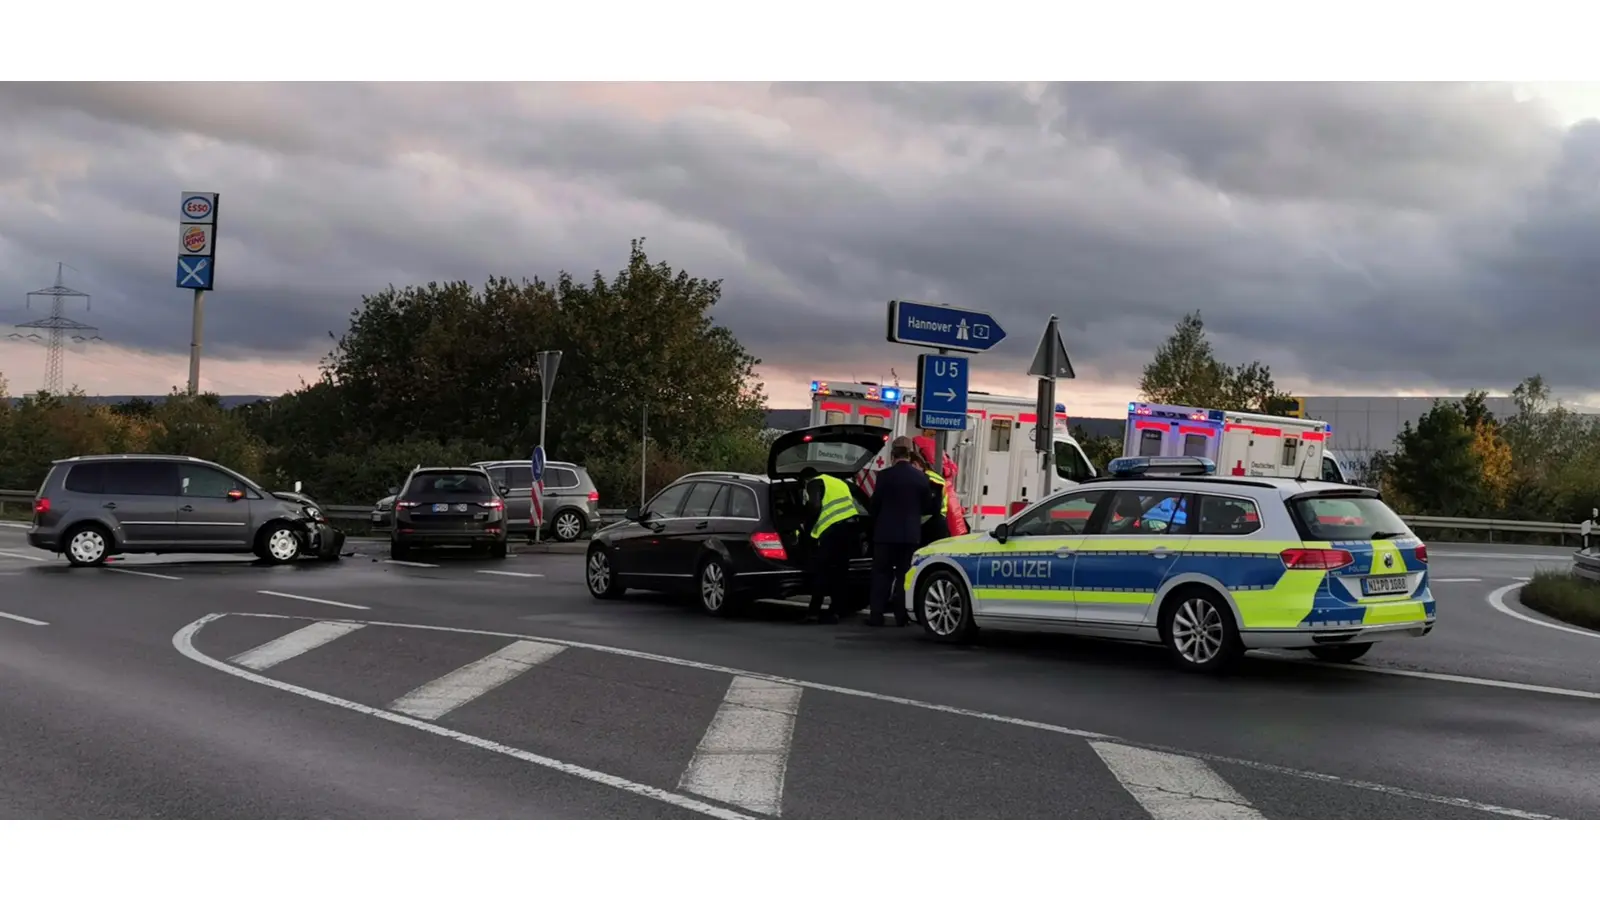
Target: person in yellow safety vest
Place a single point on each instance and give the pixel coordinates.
(936, 526)
(834, 514)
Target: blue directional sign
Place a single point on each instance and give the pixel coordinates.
(197, 272)
(942, 392)
(538, 462)
(943, 327)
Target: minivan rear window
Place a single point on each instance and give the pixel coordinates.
(451, 484)
(85, 478)
(1348, 517)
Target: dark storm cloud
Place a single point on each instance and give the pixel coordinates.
(1346, 234)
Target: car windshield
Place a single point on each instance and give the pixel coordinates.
(832, 455)
(450, 484)
(1346, 518)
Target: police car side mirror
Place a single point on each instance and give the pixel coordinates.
(1000, 532)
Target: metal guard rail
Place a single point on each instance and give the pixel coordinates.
(352, 512)
(1586, 564)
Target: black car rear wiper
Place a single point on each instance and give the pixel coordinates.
(1384, 535)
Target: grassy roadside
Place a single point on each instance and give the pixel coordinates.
(1562, 595)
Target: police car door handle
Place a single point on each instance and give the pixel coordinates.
(1159, 552)
(1065, 551)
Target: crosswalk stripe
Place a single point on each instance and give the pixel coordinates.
(744, 755)
(1170, 786)
(293, 644)
(473, 680)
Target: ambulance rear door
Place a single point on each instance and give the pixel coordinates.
(993, 502)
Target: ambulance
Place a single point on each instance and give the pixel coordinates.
(998, 469)
(1241, 444)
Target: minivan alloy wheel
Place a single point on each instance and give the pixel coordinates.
(1197, 630)
(87, 546)
(568, 526)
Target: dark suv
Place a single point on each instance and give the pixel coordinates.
(448, 506)
(728, 538)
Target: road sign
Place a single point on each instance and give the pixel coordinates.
(195, 272)
(942, 392)
(1050, 360)
(538, 463)
(943, 327)
(549, 361)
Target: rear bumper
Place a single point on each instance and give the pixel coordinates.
(44, 541)
(1306, 638)
(440, 538)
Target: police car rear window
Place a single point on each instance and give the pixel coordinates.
(1347, 518)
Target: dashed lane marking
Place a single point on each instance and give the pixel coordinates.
(1454, 580)
(15, 525)
(28, 556)
(312, 599)
(474, 679)
(293, 644)
(127, 571)
(184, 642)
(186, 636)
(1497, 599)
(23, 619)
(744, 754)
(1170, 786)
(407, 562)
(510, 574)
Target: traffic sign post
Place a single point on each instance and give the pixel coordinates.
(197, 265)
(941, 392)
(549, 361)
(536, 494)
(943, 327)
(1049, 363)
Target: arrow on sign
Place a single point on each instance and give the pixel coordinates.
(946, 394)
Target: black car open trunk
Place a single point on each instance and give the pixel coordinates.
(839, 450)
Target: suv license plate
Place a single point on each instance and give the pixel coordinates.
(1388, 584)
(441, 507)
(377, 517)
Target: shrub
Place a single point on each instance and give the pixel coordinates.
(1562, 595)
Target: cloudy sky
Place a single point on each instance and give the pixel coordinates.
(1383, 238)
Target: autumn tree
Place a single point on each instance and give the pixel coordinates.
(1186, 372)
(1434, 466)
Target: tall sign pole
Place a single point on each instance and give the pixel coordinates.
(549, 361)
(197, 265)
(1049, 363)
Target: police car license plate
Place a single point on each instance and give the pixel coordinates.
(1387, 584)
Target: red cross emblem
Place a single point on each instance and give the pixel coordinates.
(1238, 467)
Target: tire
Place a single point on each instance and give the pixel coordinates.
(713, 588)
(279, 543)
(1340, 653)
(87, 545)
(567, 526)
(398, 550)
(1199, 632)
(944, 607)
(600, 575)
(497, 550)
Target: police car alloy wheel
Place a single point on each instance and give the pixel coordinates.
(944, 607)
(87, 547)
(568, 525)
(1200, 632)
(602, 580)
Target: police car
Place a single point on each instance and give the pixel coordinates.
(1162, 550)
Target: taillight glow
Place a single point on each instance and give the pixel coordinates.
(492, 504)
(1302, 558)
(769, 545)
(407, 504)
(41, 506)
(594, 496)
(1422, 553)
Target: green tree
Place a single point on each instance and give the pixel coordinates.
(1100, 449)
(199, 426)
(1433, 466)
(1186, 372)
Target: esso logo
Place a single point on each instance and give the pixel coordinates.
(194, 239)
(197, 207)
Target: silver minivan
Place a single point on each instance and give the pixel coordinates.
(571, 500)
(91, 507)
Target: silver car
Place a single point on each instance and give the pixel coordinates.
(91, 507)
(571, 500)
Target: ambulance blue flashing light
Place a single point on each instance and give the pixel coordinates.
(1129, 466)
(891, 395)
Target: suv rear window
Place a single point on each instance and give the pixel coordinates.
(1349, 517)
(450, 484)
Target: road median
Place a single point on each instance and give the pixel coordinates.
(1564, 596)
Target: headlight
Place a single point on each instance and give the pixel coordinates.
(314, 513)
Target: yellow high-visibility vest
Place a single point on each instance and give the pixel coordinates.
(838, 505)
(944, 498)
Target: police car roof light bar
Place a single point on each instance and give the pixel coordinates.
(1132, 466)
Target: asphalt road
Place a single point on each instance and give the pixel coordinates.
(194, 687)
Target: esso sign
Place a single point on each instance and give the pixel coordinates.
(197, 207)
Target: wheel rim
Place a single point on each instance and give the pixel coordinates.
(712, 592)
(282, 545)
(1197, 631)
(567, 526)
(599, 573)
(88, 546)
(943, 607)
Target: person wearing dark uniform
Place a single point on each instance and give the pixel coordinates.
(899, 501)
(834, 514)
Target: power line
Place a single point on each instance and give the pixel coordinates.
(57, 328)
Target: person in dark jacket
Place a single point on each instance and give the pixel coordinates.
(900, 499)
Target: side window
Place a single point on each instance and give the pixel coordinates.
(559, 478)
(1228, 516)
(205, 482)
(1070, 462)
(1150, 442)
(85, 478)
(833, 417)
(1000, 436)
(701, 499)
(1140, 513)
(739, 503)
(515, 476)
(1065, 514)
(667, 502)
(872, 420)
(1291, 451)
(1330, 471)
(142, 479)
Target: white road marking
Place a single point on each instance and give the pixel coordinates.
(15, 525)
(27, 556)
(1374, 787)
(407, 562)
(294, 643)
(509, 574)
(1454, 580)
(184, 642)
(1170, 786)
(128, 571)
(312, 599)
(743, 756)
(1456, 679)
(474, 679)
(23, 619)
(1497, 599)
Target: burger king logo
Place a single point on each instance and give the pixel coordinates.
(197, 207)
(195, 239)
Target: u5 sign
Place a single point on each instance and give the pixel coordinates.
(941, 392)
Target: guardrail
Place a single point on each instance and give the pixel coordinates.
(351, 512)
(1586, 564)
